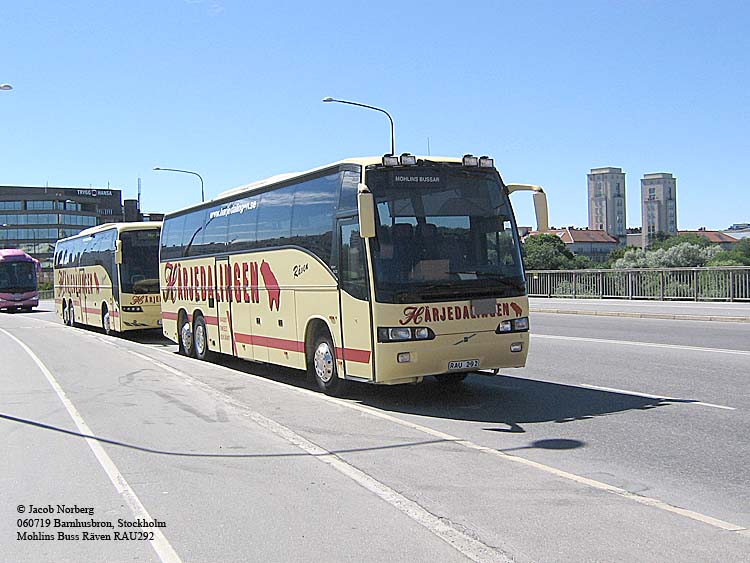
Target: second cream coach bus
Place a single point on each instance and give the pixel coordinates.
(108, 277)
(382, 270)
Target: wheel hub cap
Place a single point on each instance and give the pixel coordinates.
(200, 340)
(323, 362)
(187, 337)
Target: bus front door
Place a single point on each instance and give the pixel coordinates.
(356, 332)
(224, 307)
(81, 292)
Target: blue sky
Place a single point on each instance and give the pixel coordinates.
(105, 90)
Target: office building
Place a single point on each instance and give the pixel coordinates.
(606, 188)
(659, 205)
(34, 218)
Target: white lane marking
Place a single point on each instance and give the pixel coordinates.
(641, 499)
(161, 545)
(663, 397)
(644, 344)
(467, 545)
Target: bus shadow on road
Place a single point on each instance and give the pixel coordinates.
(506, 401)
(511, 402)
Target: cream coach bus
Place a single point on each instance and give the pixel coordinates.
(382, 270)
(108, 277)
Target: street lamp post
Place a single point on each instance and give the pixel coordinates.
(393, 140)
(203, 198)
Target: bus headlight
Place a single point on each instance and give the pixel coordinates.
(520, 324)
(403, 334)
(422, 333)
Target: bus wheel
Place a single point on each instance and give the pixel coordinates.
(451, 379)
(322, 366)
(71, 314)
(185, 336)
(200, 338)
(107, 321)
(65, 313)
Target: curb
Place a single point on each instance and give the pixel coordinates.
(642, 315)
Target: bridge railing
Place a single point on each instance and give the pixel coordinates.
(694, 284)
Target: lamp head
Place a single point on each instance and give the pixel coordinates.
(328, 99)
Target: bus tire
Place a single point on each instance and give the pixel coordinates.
(107, 321)
(65, 312)
(185, 335)
(322, 365)
(200, 338)
(71, 314)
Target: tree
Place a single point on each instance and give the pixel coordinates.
(666, 241)
(683, 255)
(546, 252)
(616, 254)
(738, 256)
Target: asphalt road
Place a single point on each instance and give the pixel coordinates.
(622, 440)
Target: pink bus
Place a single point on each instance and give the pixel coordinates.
(18, 280)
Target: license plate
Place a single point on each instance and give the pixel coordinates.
(464, 364)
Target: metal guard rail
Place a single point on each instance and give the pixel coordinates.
(685, 284)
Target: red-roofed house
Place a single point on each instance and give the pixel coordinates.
(593, 244)
(725, 241)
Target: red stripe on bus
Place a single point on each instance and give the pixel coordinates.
(91, 311)
(349, 354)
(268, 342)
(168, 316)
(212, 320)
(353, 355)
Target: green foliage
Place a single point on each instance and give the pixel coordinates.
(546, 252)
(44, 286)
(683, 255)
(665, 241)
(738, 256)
(616, 254)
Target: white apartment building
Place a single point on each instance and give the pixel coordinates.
(659, 205)
(607, 201)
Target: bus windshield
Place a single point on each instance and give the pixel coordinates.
(444, 232)
(17, 277)
(139, 271)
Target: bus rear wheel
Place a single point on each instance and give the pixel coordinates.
(185, 336)
(107, 321)
(200, 338)
(65, 313)
(322, 366)
(71, 314)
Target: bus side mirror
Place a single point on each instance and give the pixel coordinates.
(118, 252)
(366, 204)
(540, 203)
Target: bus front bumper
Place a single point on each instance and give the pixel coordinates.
(401, 362)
